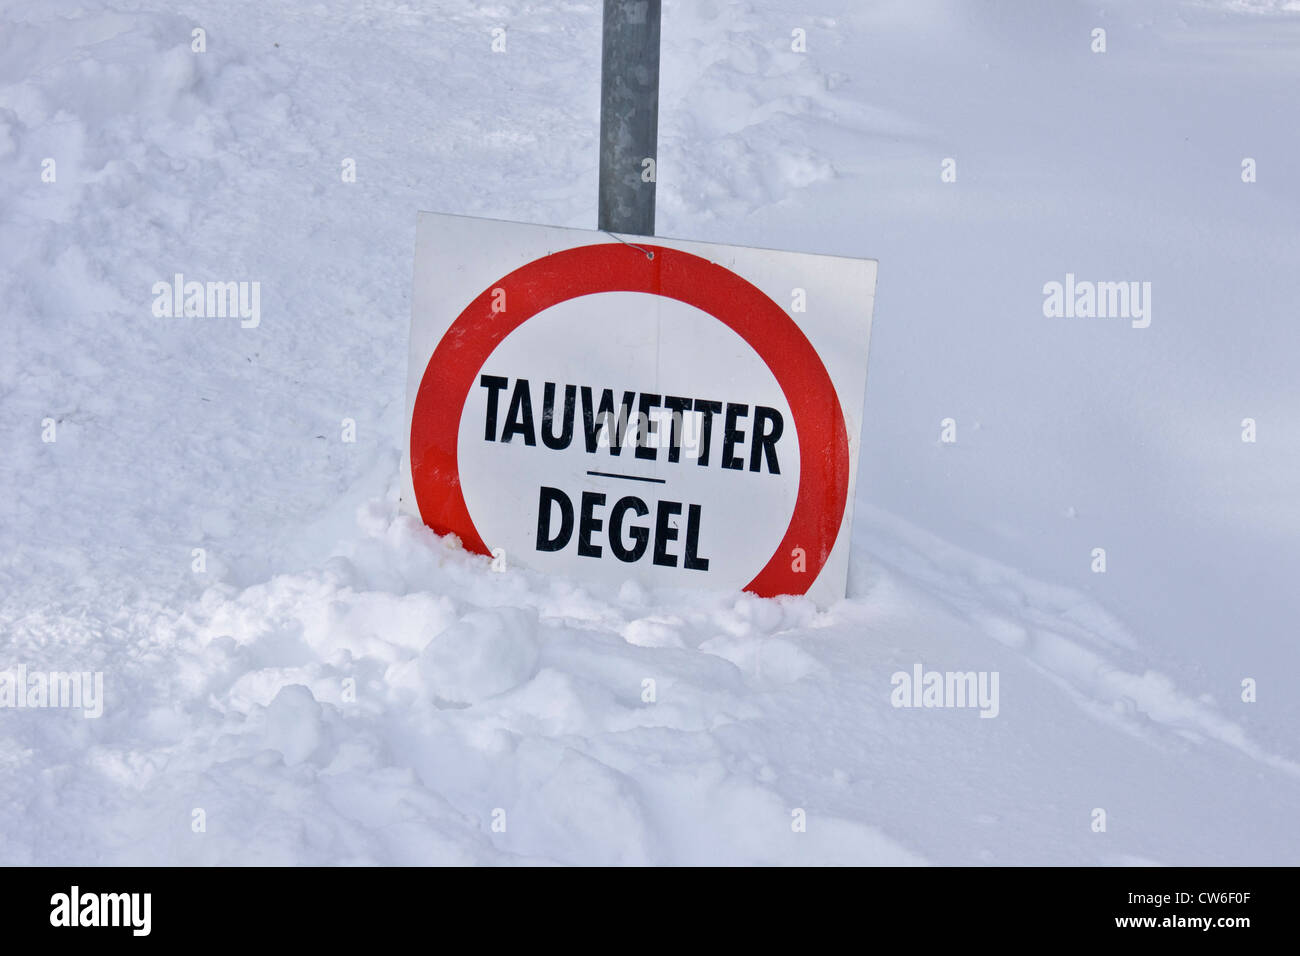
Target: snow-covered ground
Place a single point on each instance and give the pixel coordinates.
(483, 697)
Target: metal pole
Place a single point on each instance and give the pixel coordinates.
(629, 116)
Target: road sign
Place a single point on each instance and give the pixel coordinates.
(678, 413)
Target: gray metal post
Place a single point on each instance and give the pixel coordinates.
(629, 116)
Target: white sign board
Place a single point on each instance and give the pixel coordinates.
(678, 413)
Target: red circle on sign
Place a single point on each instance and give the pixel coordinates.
(617, 267)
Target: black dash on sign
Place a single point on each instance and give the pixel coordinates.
(606, 474)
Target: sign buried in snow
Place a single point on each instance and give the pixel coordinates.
(678, 413)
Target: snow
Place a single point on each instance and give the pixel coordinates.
(337, 685)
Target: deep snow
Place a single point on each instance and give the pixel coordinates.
(478, 692)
